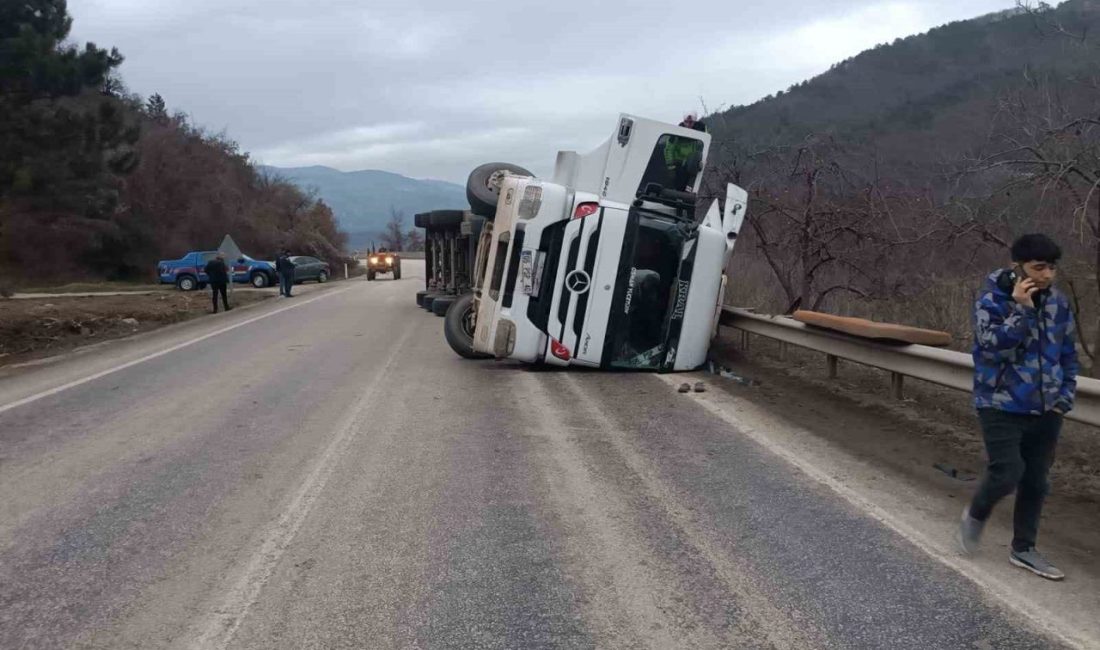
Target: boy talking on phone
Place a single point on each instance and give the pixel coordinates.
(1025, 377)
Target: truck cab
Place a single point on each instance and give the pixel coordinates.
(605, 265)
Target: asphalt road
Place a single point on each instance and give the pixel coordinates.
(322, 472)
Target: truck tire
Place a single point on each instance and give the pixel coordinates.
(446, 218)
(422, 220)
(458, 327)
(370, 275)
(187, 283)
(397, 272)
(322, 277)
(483, 186)
(441, 304)
(259, 279)
(428, 299)
(420, 298)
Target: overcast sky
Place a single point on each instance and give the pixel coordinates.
(431, 88)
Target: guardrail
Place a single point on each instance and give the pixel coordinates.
(944, 367)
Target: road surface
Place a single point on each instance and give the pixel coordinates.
(322, 472)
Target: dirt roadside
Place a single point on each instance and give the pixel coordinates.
(931, 437)
(36, 328)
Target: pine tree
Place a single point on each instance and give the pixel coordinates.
(64, 133)
(156, 109)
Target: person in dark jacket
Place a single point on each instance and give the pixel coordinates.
(217, 274)
(285, 268)
(1025, 380)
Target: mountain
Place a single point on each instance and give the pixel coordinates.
(362, 200)
(926, 95)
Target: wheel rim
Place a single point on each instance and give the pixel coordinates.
(495, 180)
(469, 322)
(187, 284)
(258, 281)
(322, 277)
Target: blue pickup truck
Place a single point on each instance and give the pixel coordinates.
(187, 272)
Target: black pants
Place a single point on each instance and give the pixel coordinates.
(215, 289)
(1021, 451)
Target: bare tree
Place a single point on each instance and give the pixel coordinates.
(1042, 162)
(394, 236)
(822, 228)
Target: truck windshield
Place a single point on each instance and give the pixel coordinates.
(644, 292)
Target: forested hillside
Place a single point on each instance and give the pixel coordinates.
(891, 184)
(96, 182)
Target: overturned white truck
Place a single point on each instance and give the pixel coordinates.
(605, 265)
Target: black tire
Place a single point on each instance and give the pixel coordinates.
(322, 277)
(420, 298)
(259, 279)
(446, 218)
(397, 272)
(370, 275)
(422, 220)
(458, 330)
(187, 283)
(483, 186)
(441, 304)
(428, 299)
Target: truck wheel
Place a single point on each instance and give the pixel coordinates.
(397, 272)
(483, 186)
(370, 275)
(441, 304)
(187, 283)
(259, 280)
(458, 327)
(322, 277)
(446, 218)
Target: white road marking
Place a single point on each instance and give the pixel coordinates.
(222, 625)
(161, 353)
(1044, 620)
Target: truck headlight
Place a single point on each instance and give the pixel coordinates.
(389, 260)
(374, 260)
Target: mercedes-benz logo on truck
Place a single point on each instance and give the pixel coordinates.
(577, 281)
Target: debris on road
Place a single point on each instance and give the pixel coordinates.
(726, 373)
(954, 473)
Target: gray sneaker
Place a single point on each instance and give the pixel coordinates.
(1037, 564)
(970, 532)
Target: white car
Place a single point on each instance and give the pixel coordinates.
(604, 265)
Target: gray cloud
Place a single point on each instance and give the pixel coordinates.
(431, 88)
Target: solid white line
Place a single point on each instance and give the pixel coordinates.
(222, 625)
(161, 353)
(1005, 594)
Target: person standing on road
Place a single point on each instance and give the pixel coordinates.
(1025, 380)
(217, 274)
(285, 268)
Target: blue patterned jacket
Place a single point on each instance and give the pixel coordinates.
(1025, 360)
